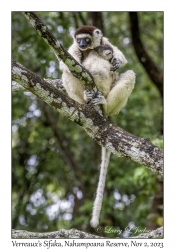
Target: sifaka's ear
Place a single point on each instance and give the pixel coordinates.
(98, 32)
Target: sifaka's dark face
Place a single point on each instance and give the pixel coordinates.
(88, 37)
(84, 41)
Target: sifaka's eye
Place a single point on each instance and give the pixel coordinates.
(78, 40)
(88, 40)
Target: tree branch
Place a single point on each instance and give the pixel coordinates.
(150, 67)
(76, 69)
(97, 126)
(74, 233)
(57, 83)
(17, 87)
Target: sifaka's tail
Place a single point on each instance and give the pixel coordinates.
(100, 189)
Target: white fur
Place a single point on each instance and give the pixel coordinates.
(116, 52)
(115, 88)
(100, 189)
(96, 38)
(100, 70)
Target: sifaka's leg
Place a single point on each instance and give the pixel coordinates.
(118, 96)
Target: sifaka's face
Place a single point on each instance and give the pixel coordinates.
(84, 41)
(87, 41)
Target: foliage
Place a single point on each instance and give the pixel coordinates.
(49, 192)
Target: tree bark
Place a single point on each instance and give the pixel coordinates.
(76, 69)
(97, 126)
(73, 234)
(157, 77)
